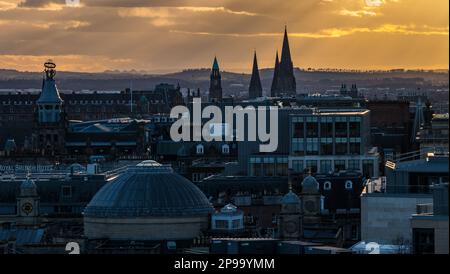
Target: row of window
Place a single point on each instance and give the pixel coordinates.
(7, 103)
(200, 149)
(299, 147)
(327, 119)
(111, 102)
(348, 185)
(326, 166)
(281, 160)
(337, 129)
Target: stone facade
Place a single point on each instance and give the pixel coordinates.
(385, 218)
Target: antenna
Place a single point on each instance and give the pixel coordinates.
(131, 92)
(290, 179)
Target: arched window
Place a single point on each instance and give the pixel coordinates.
(200, 149)
(348, 185)
(225, 149)
(327, 185)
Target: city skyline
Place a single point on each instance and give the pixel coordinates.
(169, 36)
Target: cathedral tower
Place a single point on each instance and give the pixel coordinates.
(255, 88)
(274, 88)
(215, 87)
(285, 84)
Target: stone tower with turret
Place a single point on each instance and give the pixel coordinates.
(50, 123)
(215, 87)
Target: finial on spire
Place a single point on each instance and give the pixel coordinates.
(290, 179)
(215, 64)
(49, 69)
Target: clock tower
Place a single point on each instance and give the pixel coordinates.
(290, 223)
(28, 203)
(311, 200)
(290, 220)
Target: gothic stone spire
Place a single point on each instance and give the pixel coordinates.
(286, 83)
(255, 88)
(274, 88)
(215, 87)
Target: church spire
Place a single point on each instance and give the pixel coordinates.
(286, 80)
(255, 88)
(215, 87)
(286, 60)
(274, 88)
(215, 64)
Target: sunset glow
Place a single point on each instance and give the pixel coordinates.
(163, 36)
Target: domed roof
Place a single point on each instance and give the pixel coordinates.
(310, 185)
(148, 190)
(28, 188)
(290, 198)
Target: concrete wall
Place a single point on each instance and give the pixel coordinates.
(440, 226)
(385, 218)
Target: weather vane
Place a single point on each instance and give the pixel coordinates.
(50, 69)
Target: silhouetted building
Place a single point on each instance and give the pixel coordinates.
(276, 72)
(285, 84)
(50, 125)
(215, 88)
(353, 92)
(19, 111)
(390, 126)
(255, 88)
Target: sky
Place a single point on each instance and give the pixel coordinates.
(171, 35)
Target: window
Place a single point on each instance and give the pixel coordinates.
(225, 149)
(311, 165)
(355, 129)
(348, 185)
(341, 129)
(66, 191)
(353, 164)
(326, 130)
(297, 165)
(341, 148)
(339, 165)
(298, 130)
(200, 149)
(327, 185)
(221, 224)
(298, 146)
(312, 130)
(326, 148)
(236, 224)
(282, 166)
(268, 166)
(325, 166)
(355, 148)
(423, 240)
(312, 146)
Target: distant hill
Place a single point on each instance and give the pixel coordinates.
(233, 83)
